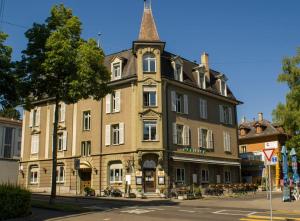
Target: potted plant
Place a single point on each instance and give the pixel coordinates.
(88, 191)
(139, 193)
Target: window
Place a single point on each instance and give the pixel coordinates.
(227, 143)
(116, 72)
(116, 173)
(34, 173)
(114, 134)
(205, 138)
(227, 176)
(201, 80)
(35, 117)
(179, 102)
(61, 109)
(60, 139)
(8, 142)
(243, 149)
(150, 133)
(203, 108)
(149, 96)
(178, 74)
(180, 175)
(34, 120)
(60, 174)
(223, 88)
(181, 134)
(149, 63)
(86, 148)
(225, 114)
(34, 144)
(204, 176)
(87, 120)
(115, 129)
(113, 102)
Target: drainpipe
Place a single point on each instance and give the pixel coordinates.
(237, 136)
(167, 135)
(101, 133)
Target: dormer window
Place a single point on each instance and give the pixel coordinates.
(223, 87)
(177, 65)
(201, 80)
(178, 74)
(149, 63)
(116, 71)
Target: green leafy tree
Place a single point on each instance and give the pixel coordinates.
(60, 65)
(10, 112)
(288, 114)
(8, 94)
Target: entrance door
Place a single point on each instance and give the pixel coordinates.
(85, 179)
(149, 180)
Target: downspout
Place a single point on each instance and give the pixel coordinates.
(101, 133)
(167, 135)
(238, 145)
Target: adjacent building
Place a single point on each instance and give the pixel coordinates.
(254, 136)
(10, 147)
(169, 122)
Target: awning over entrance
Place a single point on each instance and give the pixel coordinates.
(195, 160)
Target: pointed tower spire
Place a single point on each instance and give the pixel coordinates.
(148, 31)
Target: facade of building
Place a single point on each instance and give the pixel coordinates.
(254, 136)
(10, 147)
(168, 122)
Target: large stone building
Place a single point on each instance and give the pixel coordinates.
(169, 122)
(255, 136)
(10, 147)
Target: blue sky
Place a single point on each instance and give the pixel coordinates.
(246, 40)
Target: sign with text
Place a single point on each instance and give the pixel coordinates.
(271, 145)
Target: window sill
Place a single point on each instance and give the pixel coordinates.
(34, 184)
(116, 182)
(149, 72)
(86, 130)
(150, 106)
(148, 141)
(228, 152)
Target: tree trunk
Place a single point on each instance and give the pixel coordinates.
(54, 154)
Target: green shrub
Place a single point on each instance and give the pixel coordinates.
(14, 201)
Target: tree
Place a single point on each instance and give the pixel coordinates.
(10, 112)
(288, 114)
(60, 65)
(8, 94)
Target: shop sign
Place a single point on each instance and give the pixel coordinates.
(138, 173)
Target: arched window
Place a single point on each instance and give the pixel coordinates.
(116, 173)
(149, 62)
(33, 174)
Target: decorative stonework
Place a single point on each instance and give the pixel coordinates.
(150, 113)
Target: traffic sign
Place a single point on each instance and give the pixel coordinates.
(268, 153)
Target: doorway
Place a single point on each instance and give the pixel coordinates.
(149, 180)
(85, 178)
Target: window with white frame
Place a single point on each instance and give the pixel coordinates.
(62, 141)
(116, 71)
(180, 175)
(205, 138)
(179, 72)
(226, 115)
(114, 134)
(34, 118)
(116, 173)
(8, 136)
(223, 87)
(204, 175)
(179, 102)
(150, 131)
(86, 148)
(113, 102)
(34, 144)
(227, 176)
(201, 80)
(149, 97)
(34, 174)
(181, 134)
(203, 108)
(86, 120)
(149, 62)
(60, 174)
(227, 142)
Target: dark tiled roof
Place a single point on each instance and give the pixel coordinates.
(148, 31)
(267, 126)
(129, 69)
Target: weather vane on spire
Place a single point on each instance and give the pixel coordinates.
(147, 4)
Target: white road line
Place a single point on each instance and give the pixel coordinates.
(188, 211)
(234, 212)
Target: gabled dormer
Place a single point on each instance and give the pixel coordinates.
(116, 68)
(200, 76)
(222, 85)
(177, 64)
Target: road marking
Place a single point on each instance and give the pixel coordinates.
(188, 211)
(274, 217)
(137, 211)
(106, 219)
(234, 212)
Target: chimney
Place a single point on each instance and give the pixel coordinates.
(260, 117)
(205, 63)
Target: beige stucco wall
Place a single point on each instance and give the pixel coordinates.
(9, 171)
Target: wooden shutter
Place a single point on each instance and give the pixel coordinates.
(118, 101)
(174, 133)
(108, 103)
(204, 109)
(121, 133)
(186, 104)
(65, 133)
(173, 100)
(30, 118)
(229, 142)
(200, 142)
(230, 115)
(63, 112)
(53, 119)
(221, 110)
(186, 134)
(107, 135)
(210, 139)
